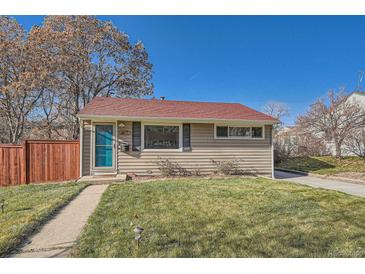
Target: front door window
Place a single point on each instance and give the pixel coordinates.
(103, 145)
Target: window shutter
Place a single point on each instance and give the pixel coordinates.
(186, 137)
(136, 136)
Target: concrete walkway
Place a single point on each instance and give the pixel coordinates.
(58, 235)
(350, 188)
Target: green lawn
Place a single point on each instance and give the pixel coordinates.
(224, 218)
(28, 206)
(326, 165)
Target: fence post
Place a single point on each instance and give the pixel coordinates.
(25, 162)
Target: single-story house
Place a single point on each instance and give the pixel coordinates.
(121, 136)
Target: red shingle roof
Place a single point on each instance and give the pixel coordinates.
(169, 109)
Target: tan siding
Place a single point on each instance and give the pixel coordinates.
(86, 153)
(253, 155)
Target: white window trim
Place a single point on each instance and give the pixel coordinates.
(272, 159)
(81, 122)
(143, 124)
(115, 164)
(239, 137)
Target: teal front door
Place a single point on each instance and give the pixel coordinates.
(104, 146)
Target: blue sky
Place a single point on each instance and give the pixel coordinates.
(247, 59)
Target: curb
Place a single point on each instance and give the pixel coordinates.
(346, 180)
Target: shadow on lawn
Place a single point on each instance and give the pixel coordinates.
(306, 164)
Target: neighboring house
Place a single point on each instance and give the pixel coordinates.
(120, 136)
(357, 97)
(357, 144)
(286, 141)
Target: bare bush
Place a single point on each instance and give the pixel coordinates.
(282, 152)
(196, 172)
(171, 169)
(229, 167)
(285, 144)
(311, 145)
(295, 141)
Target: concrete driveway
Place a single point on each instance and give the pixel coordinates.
(350, 188)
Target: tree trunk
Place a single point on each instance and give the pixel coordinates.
(13, 139)
(76, 129)
(13, 134)
(338, 149)
(49, 131)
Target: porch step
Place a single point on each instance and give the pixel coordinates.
(103, 179)
(105, 174)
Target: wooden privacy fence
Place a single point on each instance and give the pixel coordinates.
(37, 161)
(12, 165)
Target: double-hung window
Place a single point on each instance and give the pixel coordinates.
(161, 137)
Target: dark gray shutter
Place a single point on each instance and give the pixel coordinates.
(136, 136)
(186, 137)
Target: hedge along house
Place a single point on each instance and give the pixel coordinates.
(121, 136)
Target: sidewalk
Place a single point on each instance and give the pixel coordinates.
(58, 235)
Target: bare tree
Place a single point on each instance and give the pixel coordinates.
(333, 120)
(355, 143)
(277, 110)
(283, 146)
(58, 67)
(93, 58)
(4, 133)
(49, 103)
(22, 71)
